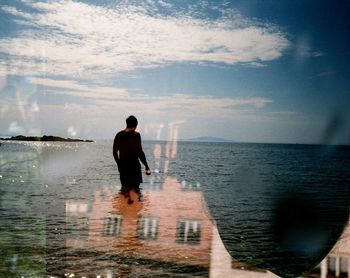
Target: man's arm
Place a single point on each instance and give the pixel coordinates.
(115, 150)
(143, 157)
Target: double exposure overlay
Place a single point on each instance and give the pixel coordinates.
(242, 114)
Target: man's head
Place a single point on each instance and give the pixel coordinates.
(131, 122)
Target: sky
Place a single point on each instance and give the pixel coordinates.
(243, 70)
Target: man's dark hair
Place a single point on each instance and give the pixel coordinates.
(131, 122)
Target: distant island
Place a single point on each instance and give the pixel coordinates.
(44, 138)
(208, 139)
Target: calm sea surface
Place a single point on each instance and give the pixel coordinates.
(207, 210)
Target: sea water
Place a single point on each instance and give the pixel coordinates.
(208, 209)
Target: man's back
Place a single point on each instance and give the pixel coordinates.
(128, 143)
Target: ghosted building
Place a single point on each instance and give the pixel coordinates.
(170, 226)
(168, 233)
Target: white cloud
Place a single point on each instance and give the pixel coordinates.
(204, 104)
(165, 4)
(235, 118)
(318, 54)
(3, 82)
(256, 65)
(106, 108)
(67, 41)
(80, 90)
(77, 39)
(107, 98)
(304, 50)
(181, 106)
(14, 128)
(14, 11)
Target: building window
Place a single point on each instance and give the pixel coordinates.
(112, 225)
(76, 208)
(147, 228)
(190, 186)
(337, 266)
(77, 219)
(188, 231)
(155, 183)
(344, 266)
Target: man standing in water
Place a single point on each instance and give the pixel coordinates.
(127, 150)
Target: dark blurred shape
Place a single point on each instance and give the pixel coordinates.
(286, 209)
(299, 225)
(304, 231)
(336, 129)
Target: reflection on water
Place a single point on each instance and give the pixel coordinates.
(61, 215)
(166, 232)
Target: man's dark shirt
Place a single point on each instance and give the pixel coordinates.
(127, 151)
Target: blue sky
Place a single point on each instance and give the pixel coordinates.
(251, 71)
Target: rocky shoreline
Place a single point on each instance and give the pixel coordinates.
(44, 138)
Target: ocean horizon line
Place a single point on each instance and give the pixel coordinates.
(200, 139)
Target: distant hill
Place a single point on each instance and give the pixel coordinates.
(208, 139)
(43, 139)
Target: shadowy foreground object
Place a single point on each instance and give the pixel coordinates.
(286, 223)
